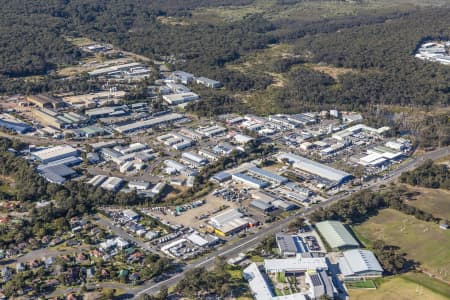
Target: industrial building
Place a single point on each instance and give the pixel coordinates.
(267, 176)
(221, 177)
(112, 184)
(153, 122)
(10, 124)
(250, 181)
(261, 205)
(288, 245)
(208, 82)
(57, 174)
(94, 99)
(336, 235)
(54, 153)
(181, 76)
(175, 99)
(297, 265)
(138, 185)
(242, 139)
(315, 168)
(229, 222)
(211, 130)
(194, 159)
(359, 264)
(106, 111)
(46, 101)
(97, 180)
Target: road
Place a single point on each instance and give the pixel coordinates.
(233, 249)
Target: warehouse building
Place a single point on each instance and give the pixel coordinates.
(152, 122)
(288, 245)
(54, 153)
(181, 76)
(250, 181)
(106, 111)
(336, 235)
(57, 174)
(18, 127)
(315, 168)
(194, 159)
(46, 101)
(267, 175)
(221, 177)
(359, 264)
(229, 222)
(261, 205)
(294, 266)
(208, 82)
(175, 99)
(97, 180)
(112, 184)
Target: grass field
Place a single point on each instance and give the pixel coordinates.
(434, 201)
(366, 284)
(405, 287)
(424, 242)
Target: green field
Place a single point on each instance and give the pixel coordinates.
(409, 286)
(423, 242)
(434, 201)
(365, 284)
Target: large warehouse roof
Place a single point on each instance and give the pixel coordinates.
(149, 123)
(336, 235)
(358, 261)
(55, 153)
(295, 264)
(315, 168)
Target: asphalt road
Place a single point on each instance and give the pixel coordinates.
(241, 245)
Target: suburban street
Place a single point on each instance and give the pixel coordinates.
(234, 248)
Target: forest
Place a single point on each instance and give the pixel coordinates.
(429, 175)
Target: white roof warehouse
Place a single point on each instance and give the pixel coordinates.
(172, 117)
(315, 168)
(55, 153)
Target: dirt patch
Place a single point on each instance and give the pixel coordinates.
(332, 71)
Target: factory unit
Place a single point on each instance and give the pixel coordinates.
(175, 99)
(288, 245)
(194, 159)
(93, 99)
(97, 180)
(57, 174)
(221, 177)
(131, 148)
(250, 181)
(152, 122)
(315, 168)
(107, 111)
(211, 156)
(46, 101)
(177, 88)
(229, 222)
(297, 265)
(48, 118)
(211, 130)
(359, 264)
(267, 175)
(54, 153)
(208, 82)
(14, 125)
(181, 76)
(242, 139)
(336, 235)
(158, 188)
(112, 184)
(138, 185)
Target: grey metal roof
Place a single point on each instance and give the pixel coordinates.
(261, 205)
(315, 168)
(268, 175)
(358, 261)
(286, 243)
(336, 235)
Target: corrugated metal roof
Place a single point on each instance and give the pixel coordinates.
(358, 261)
(336, 235)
